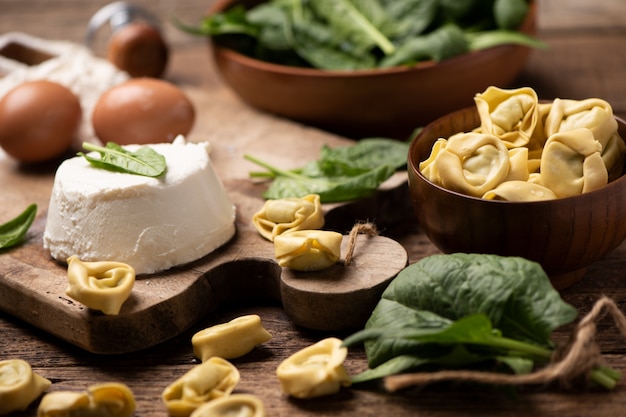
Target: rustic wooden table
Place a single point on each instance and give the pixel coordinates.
(586, 58)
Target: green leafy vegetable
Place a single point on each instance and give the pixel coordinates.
(442, 43)
(356, 22)
(341, 174)
(14, 230)
(462, 310)
(509, 14)
(365, 34)
(144, 161)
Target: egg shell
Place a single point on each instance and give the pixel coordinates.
(141, 111)
(38, 120)
(139, 49)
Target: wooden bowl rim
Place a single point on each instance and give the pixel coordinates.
(247, 61)
(413, 166)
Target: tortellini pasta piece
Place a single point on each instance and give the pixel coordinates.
(315, 371)
(230, 340)
(510, 115)
(596, 115)
(108, 399)
(520, 191)
(19, 385)
(308, 250)
(474, 163)
(427, 167)
(593, 113)
(60, 403)
(102, 286)
(572, 164)
(289, 214)
(236, 405)
(214, 378)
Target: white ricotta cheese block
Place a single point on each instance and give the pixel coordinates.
(152, 224)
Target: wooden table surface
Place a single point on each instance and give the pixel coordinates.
(587, 58)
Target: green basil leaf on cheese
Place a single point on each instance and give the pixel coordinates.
(144, 161)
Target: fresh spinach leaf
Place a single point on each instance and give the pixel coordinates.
(491, 38)
(341, 173)
(316, 43)
(288, 184)
(144, 161)
(236, 21)
(457, 356)
(367, 153)
(411, 17)
(273, 24)
(357, 22)
(463, 343)
(14, 230)
(443, 43)
(500, 310)
(509, 14)
(516, 294)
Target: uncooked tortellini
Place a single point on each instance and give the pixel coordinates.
(289, 214)
(214, 378)
(597, 116)
(103, 286)
(107, 399)
(473, 163)
(510, 115)
(520, 191)
(571, 163)
(19, 385)
(308, 250)
(236, 405)
(230, 340)
(315, 371)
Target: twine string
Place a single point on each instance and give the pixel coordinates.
(579, 360)
(358, 229)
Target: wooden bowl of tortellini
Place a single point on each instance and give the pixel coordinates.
(518, 176)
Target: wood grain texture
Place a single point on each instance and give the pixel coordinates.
(586, 58)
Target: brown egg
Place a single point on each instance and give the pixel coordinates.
(38, 121)
(138, 49)
(142, 110)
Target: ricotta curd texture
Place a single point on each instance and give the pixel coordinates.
(152, 224)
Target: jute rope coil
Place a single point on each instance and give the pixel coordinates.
(358, 229)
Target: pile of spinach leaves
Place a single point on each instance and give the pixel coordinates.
(365, 34)
(462, 311)
(342, 173)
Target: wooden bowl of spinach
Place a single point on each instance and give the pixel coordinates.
(380, 70)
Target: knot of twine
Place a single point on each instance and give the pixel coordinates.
(358, 229)
(583, 355)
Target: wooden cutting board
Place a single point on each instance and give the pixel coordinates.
(163, 305)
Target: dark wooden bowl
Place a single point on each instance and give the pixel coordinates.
(563, 235)
(383, 102)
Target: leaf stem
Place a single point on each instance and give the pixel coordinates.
(527, 349)
(274, 170)
(92, 147)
